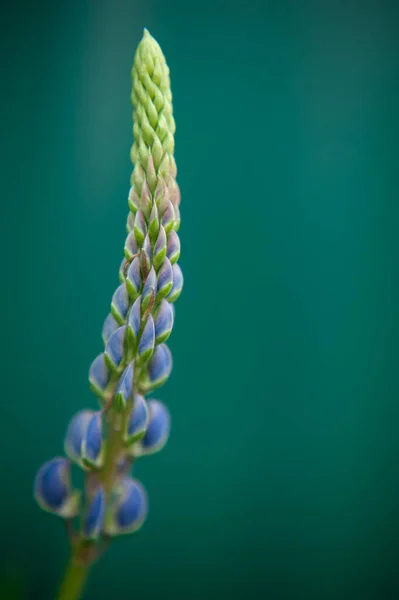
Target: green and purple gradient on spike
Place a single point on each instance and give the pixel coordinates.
(135, 360)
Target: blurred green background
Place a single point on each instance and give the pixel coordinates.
(281, 477)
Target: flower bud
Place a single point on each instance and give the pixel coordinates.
(131, 247)
(157, 432)
(160, 248)
(168, 218)
(177, 284)
(133, 200)
(133, 279)
(140, 228)
(148, 290)
(147, 341)
(75, 433)
(114, 350)
(165, 280)
(130, 222)
(173, 250)
(120, 304)
(129, 508)
(99, 375)
(125, 387)
(133, 324)
(163, 322)
(153, 226)
(138, 420)
(92, 441)
(109, 327)
(158, 369)
(94, 519)
(53, 491)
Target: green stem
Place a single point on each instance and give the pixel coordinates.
(74, 579)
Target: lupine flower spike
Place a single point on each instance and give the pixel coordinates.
(105, 442)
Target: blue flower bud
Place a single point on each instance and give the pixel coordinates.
(53, 491)
(148, 290)
(173, 250)
(168, 218)
(133, 200)
(160, 248)
(147, 340)
(158, 430)
(129, 508)
(165, 280)
(138, 420)
(109, 327)
(177, 284)
(131, 247)
(92, 442)
(161, 195)
(125, 387)
(133, 279)
(75, 433)
(99, 376)
(163, 322)
(134, 323)
(140, 228)
(114, 349)
(120, 304)
(94, 519)
(158, 369)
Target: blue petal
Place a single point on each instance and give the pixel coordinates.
(115, 348)
(125, 387)
(157, 432)
(168, 218)
(133, 279)
(177, 284)
(134, 322)
(138, 419)
(109, 327)
(147, 340)
(99, 375)
(131, 247)
(165, 279)
(149, 286)
(93, 522)
(163, 322)
(160, 365)
(130, 509)
(75, 433)
(120, 303)
(52, 488)
(92, 441)
(173, 251)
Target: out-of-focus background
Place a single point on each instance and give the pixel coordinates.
(281, 477)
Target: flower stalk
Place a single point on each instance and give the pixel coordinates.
(105, 443)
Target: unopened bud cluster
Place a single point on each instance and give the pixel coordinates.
(136, 360)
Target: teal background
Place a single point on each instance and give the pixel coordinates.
(281, 477)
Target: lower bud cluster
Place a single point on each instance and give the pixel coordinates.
(124, 509)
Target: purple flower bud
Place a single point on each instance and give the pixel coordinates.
(140, 228)
(109, 327)
(173, 250)
(147, 340)
(114, 349)
(177, 284)
(158, 369)
(163, 322)
(131, 247)
(133, 279)
(160, 248)
(148, 289)
(165, 280)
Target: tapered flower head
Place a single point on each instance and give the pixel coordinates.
(53, 490)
